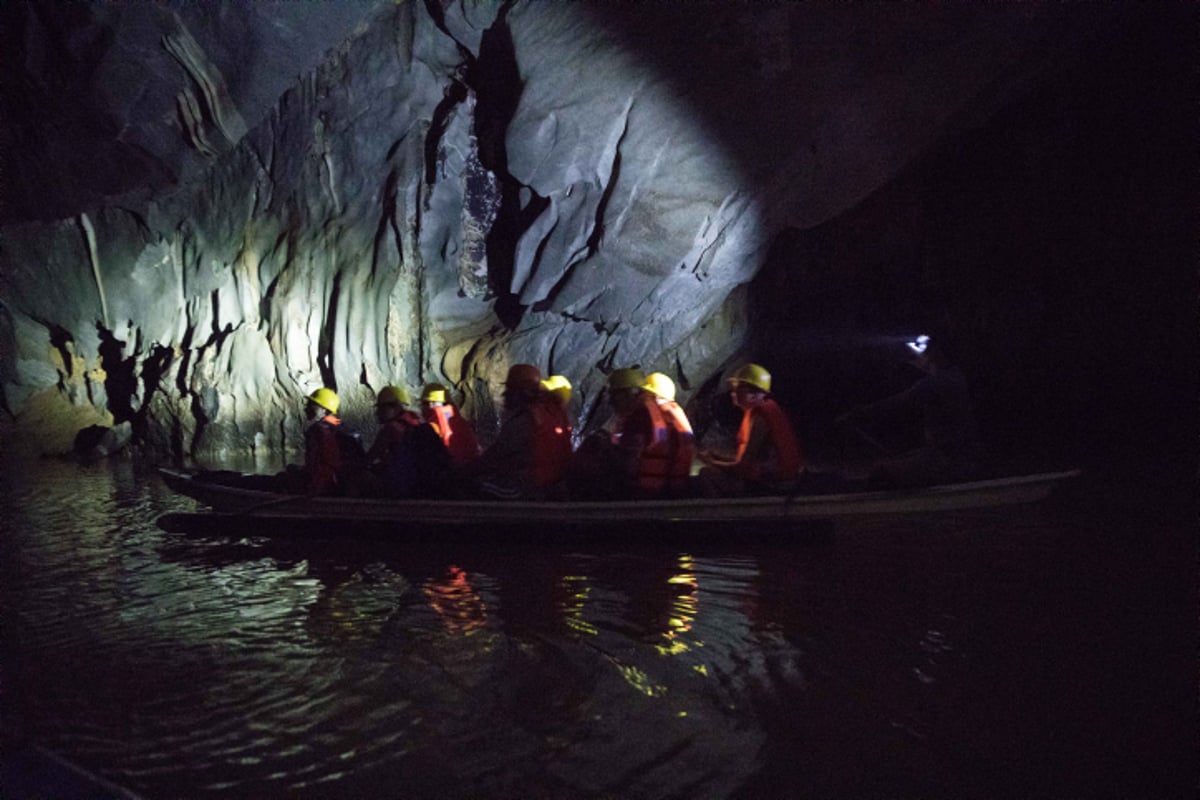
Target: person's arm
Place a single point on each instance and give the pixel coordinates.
(635, 433)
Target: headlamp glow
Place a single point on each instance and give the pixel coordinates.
(919, 344)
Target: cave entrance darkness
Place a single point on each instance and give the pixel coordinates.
(1049, 244)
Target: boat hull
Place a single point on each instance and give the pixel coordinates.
(242, 502)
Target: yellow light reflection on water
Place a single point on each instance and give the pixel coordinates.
(576, 590)
(641, 681)
(684, 609)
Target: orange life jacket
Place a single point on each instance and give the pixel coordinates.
(655, 460)
(685, 446)
(786, 460)
(456, 433)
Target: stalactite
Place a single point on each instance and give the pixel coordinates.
(89, 234)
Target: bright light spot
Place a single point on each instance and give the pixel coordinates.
(674, 648)
(641, 681)
(919, 344)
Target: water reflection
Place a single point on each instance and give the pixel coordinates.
(460, 607)
(242, 666)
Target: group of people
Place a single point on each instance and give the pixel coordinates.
(648, 451)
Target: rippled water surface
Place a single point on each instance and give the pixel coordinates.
(1023, 653)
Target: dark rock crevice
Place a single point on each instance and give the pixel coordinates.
(120, 378)
(325, 349)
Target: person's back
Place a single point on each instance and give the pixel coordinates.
(401, 462)
(322, 457)
(523, 461)
(645, 443)
(552, 441)
(455, 431)
(332, 452)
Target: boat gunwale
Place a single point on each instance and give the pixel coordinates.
(240, 501)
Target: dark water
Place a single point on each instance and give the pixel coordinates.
(1034, 652)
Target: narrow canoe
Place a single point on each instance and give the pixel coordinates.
(243, 502)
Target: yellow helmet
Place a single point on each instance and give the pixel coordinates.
(626, 378)
(558, 386)
(392, 396)
(433, 393)
(325, 398)
(754, 375)
(659, 384)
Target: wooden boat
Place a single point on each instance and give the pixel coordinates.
(234, 501)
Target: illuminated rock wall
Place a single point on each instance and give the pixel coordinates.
(454, 189)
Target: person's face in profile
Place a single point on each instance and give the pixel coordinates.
(746, 396)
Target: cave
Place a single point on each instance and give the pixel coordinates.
(210, 210)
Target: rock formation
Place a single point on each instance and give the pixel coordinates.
(249, 201)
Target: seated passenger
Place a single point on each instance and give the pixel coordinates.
(457, 434)
(532, 452)
(768, 458)
(663, 390)
(950, 449)
(407, 458)
(333, 454)
(558, 389)
(634, 461)
(556, 432)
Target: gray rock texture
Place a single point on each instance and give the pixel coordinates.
(212, 209)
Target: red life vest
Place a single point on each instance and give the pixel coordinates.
(322, 456)
(455, 431)
(685, 446)
(551, 442)
(785, 460)
(655, 460)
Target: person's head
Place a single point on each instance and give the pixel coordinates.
(558, 387)
(390, 402)
(321, 402)
(929, 354)
(624, 389)
(660, 386)
(522, 385)
(434, 394)
(750, 385)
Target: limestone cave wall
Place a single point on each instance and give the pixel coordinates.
(431, 191)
